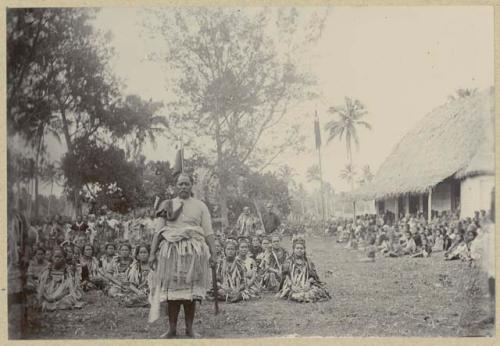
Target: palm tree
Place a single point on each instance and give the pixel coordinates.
(313, 173)
(348, 174)
(351, 115)
(367, 175)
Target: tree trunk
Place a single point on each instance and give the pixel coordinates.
(221, 173)
(352, 189)
(69, 145)
(37, 158)
(50, 196)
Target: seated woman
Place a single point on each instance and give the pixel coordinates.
(384, 243)
(107, 259)
(255, 248)
(120, 266)
(79, 243)
(57, 288)
(219, 250)
(264, 255)
(91, 277)
(395, 246)
(72, 261)
(231, 276)
(352, 242)
(139, 278)
(369, 250)
(251, 278)
(272, 266)
(36, 266)
(425, 248)
(408, 245)
(462, 250)
(438, 245)
(301, 282)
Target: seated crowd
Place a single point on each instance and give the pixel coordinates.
(245, 269)
(414, 235)
(110, 254)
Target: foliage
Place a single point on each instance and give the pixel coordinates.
(462, 93)
(267, 187)
(118, 180)
(234, 86)
(350, 119)
(59, 81)
(313, 173)
(367, 175)
(348, 173)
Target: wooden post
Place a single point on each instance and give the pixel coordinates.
(396, 218)
(429, 206)
(320, 176)
(407, 204)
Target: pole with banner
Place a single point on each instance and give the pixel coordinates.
(317, 135)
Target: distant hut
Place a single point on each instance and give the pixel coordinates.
(446, 163)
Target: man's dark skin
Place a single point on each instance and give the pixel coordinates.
(271, 220)
(184, 187)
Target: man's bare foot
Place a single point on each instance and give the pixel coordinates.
(169, 335)
(191, 334)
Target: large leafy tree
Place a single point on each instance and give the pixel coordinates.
(59, 81)
(236, 76)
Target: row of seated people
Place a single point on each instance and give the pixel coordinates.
(415, 237)
(244, 270)
(61, 280)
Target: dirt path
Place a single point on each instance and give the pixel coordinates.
(390, 297)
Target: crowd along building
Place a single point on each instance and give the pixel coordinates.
(445, 163)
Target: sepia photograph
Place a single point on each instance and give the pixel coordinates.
(230, 172)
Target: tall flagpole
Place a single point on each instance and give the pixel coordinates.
(182, 150)
(318, 145)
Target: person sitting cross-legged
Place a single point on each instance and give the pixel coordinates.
(272, 266)
(139, 276)
(231, 276)
(91, 277)
(120, 266)
(35, 268)
(57, 288)
(251, 278)
(301, 282)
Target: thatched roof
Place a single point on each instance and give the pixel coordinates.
(454, 140)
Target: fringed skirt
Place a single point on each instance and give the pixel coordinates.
(182, 273)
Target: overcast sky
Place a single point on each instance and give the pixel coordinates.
(401, 62)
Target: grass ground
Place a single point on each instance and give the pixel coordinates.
(389, 297)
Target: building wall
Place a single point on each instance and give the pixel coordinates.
(390, 204)
(475, 194)
(365, 207)
(441, 197)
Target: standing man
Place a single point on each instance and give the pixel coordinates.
(271, 220)
(182, 251)
(79, 227)
(245, 225)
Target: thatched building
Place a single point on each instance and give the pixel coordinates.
(446, 162)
